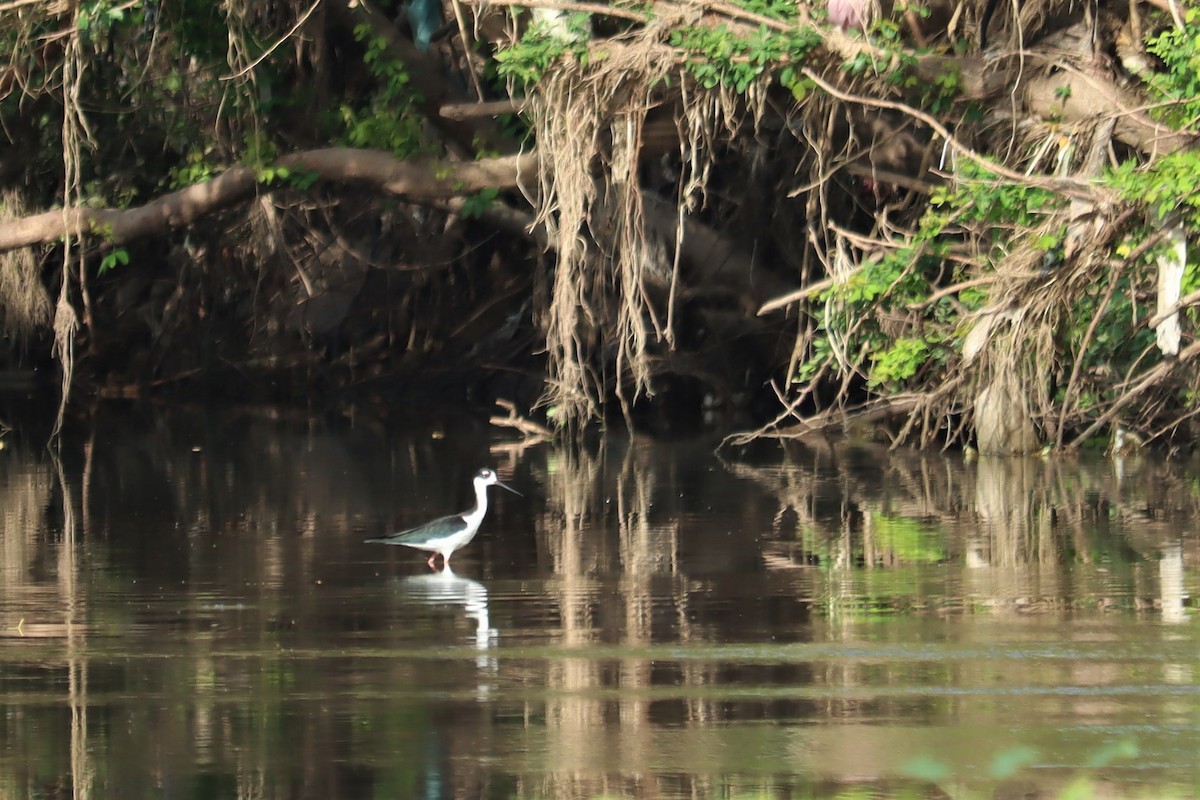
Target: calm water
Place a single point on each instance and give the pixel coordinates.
(187, 610)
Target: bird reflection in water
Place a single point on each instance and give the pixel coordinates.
(444, 589)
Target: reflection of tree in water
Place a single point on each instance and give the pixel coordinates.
(36, 496)
(1014, 523)
(611, 552)
(26, 487)
(807, 548)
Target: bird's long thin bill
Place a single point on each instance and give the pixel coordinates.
(506, 486)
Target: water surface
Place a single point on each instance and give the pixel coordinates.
(187, 609)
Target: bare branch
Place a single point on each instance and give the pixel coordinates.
(417, 181)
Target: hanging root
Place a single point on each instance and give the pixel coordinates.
(601, 321)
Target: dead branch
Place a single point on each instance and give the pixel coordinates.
(834, 418)
(1187, 301)
(415, 181)
(946, 291)
(528, 427)
(1066, 186)
(491, 108)
(1073, 381)
(600, 9)
(1152, 377)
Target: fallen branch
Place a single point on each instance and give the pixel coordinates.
(528, 427)
(412, 180)
(1152, 377)
(837, 417)
(490, 108)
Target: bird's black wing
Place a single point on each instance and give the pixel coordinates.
(421, 532)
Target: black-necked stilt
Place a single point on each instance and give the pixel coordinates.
(446, 534)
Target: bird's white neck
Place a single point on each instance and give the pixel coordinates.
(481, 500)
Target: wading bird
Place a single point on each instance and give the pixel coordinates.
(446, 534)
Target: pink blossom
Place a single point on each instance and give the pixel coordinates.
(849, 14)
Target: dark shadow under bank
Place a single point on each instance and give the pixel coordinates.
(29, 403)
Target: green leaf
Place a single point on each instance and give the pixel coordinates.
(117, 257)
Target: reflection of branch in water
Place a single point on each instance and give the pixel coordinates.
(789, 483)
(573, 477)
(533, 435)
(644, 548)
(791, 486)
(77, 663)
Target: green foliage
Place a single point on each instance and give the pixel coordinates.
(388, 120)
(898, 363)
(97, 17)
(527, 60)
(922, 10)
(274, 175)
(981, 196)
(258, 150)
(1016, 760)
(196, 168)
(822, 351)
(391, 71)
(201, 29)
(882, 286)
(383, 128)
(1166, 186)
(1117, 343)
(776, 9)
(974, 298)
(117, 257)
(791, 79)
(940, 95)
(475, 205)
(909, 539)
(1009, 762)
(720, 57)
(1179, 49)
(927, 769)
(890, 276)
(898, 67)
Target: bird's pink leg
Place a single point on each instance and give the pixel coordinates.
(432, 558)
